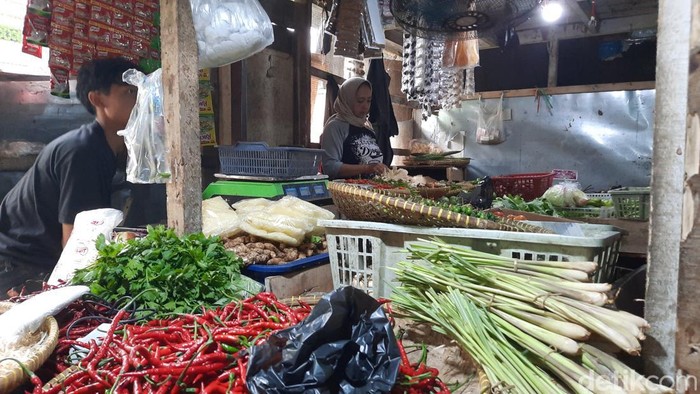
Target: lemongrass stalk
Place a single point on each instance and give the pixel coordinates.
(525, 292)
(568, 329)
(639, 321)
(596, 366)
(560, 287)
(587, 286)
(477, 343)
(575, 386)
(549, 274)
(621, 339)
(634, 323)
(559, 342)
(554, 361)
(630, 345)
(526, 266)
(589, 266)
(540, 380)
(610, 317)
(421, 273)
(482, 331)
(572, 275)
(631, 378)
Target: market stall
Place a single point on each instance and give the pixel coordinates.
(501, 283)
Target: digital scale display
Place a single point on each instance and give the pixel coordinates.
(234, 188)
(307, 191)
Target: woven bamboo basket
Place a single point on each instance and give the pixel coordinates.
(357, 203)
(40, 343)
(454, 364)
(455, 161)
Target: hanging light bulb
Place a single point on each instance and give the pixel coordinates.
(551, 11)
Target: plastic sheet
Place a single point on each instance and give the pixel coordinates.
(346, 345)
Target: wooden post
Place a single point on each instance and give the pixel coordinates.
(688, 332)
(302, 72)
(180, 87)
(225, 106)
(661, 307)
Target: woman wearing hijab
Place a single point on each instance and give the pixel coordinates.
(348, 140)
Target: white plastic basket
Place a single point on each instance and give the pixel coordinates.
(362, 253)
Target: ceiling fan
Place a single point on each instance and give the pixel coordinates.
(454, 19)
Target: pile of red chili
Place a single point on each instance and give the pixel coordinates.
(193, 353)
(190, 353)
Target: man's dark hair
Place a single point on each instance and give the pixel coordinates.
(100, 75)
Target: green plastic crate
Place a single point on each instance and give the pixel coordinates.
(631, 202)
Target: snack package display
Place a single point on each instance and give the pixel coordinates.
(230, 30)
(144, 134)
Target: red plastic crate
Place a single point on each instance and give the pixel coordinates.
(529, 186)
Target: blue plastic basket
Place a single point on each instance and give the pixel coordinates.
(258, 159)
(261, 271)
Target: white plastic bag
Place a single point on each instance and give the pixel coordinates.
(229, 30)
(80, 250)
(489, 130)
(144, 135)
(26, 317)
(566, 194)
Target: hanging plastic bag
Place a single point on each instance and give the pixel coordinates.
(229, 30)
(144, 134)
(461, 53)
(489, 130)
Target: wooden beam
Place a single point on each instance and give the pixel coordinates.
(322, 74)
(576, 11)
(607, 87)
(302, 73)
(536, 34)
(181, 103)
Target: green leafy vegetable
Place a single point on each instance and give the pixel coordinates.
(316, 239)
(538, 205)
(174, 274)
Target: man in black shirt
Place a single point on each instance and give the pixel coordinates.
(73, 173)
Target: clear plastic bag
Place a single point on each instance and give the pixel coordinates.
(229, 30)
(489, 130)
(144, 134)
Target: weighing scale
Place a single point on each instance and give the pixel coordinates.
(232, 188)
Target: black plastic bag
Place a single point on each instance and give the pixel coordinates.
(346, 345)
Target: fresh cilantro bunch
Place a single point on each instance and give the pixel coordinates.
(171, 274)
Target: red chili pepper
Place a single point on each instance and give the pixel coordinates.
(89, 389)
(242, 371)
(33, 378)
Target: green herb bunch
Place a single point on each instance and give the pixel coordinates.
(172, 274)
